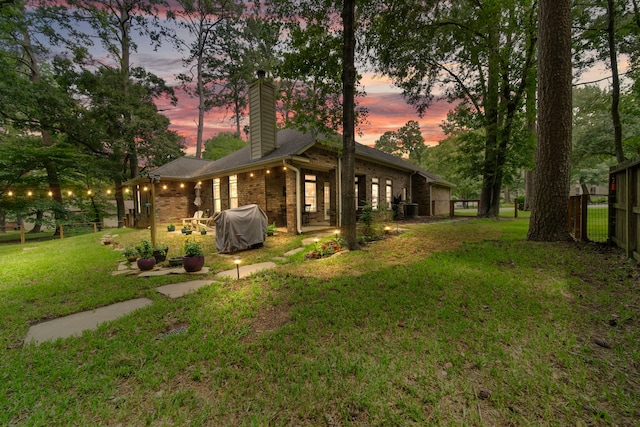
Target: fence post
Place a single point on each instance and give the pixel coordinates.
(95, 227)
(515, 208)
(61, 232)
(583, 216)
(22, 237)
(451, 208)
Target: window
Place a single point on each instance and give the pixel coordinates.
(404, 194)
(233, 191)
(310, 193)
(375, 193)
(217, 199)
(388, 196)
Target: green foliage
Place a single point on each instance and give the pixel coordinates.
(406, 141)
(473, 55)
(145, 249)
(193, 247)
(271, 229)
(222, 145)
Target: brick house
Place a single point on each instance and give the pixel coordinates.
(292, 176)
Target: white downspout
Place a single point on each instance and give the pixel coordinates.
(298, 201)
(339, 188)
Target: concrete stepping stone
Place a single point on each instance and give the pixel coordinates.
(75, 324)
(128, 272)
(246, 270)
(293, 251)
(309, 241)
(177, 290)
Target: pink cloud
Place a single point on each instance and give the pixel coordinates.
(388, 111)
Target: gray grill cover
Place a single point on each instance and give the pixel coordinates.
(240, 228)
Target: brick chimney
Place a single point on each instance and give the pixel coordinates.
(262, 117)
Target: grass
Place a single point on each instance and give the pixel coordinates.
(453, 323)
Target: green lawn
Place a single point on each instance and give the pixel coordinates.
(452, 323)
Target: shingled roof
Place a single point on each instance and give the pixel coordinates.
(290, 144)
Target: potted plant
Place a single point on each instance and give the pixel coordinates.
(171, 227)
(160, 252)
(203, 230)
(187, 230)
(146, 261)
(193, 258)
(130, 253)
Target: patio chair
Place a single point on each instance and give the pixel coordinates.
(195, 220)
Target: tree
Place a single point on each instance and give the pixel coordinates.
(481, 52)
(406, 141)
(200, 18)
(112, 24)
(29, 99)
(550, 206)
(221, 145)
(605, 29)
(348, 124)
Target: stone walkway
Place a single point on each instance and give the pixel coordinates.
(75, 324)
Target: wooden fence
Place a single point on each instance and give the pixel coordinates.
(624, 206)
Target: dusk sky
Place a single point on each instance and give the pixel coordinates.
(388, 110)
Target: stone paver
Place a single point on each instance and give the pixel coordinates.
(246, 270)
(75, 324)
(293, 251)
(177, 290)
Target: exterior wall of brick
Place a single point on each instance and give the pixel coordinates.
(274, 190)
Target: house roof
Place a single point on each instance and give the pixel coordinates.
(291, 144)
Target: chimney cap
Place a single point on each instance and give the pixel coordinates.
(261, 74)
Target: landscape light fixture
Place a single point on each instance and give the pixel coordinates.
(236, 260)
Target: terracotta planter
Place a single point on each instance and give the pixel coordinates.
(192, 263)
(145, 264)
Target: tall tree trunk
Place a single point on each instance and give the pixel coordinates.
(3, 221)
(47, 140)
(348, 126)
(488, 196)
(550, 204)
(37, 225)
(201, 101)
(120, 204)
(531, 115)
(615, 84)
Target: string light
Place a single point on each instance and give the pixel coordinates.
(69, 193)
(10, 193)
(89, 192)
(144, 188)
(268, 171)
(108, 191)
(164, 187)
(251, 175)
(29, 193)
(50, 193)
(181, 185)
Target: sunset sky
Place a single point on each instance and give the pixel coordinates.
(388, 110)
